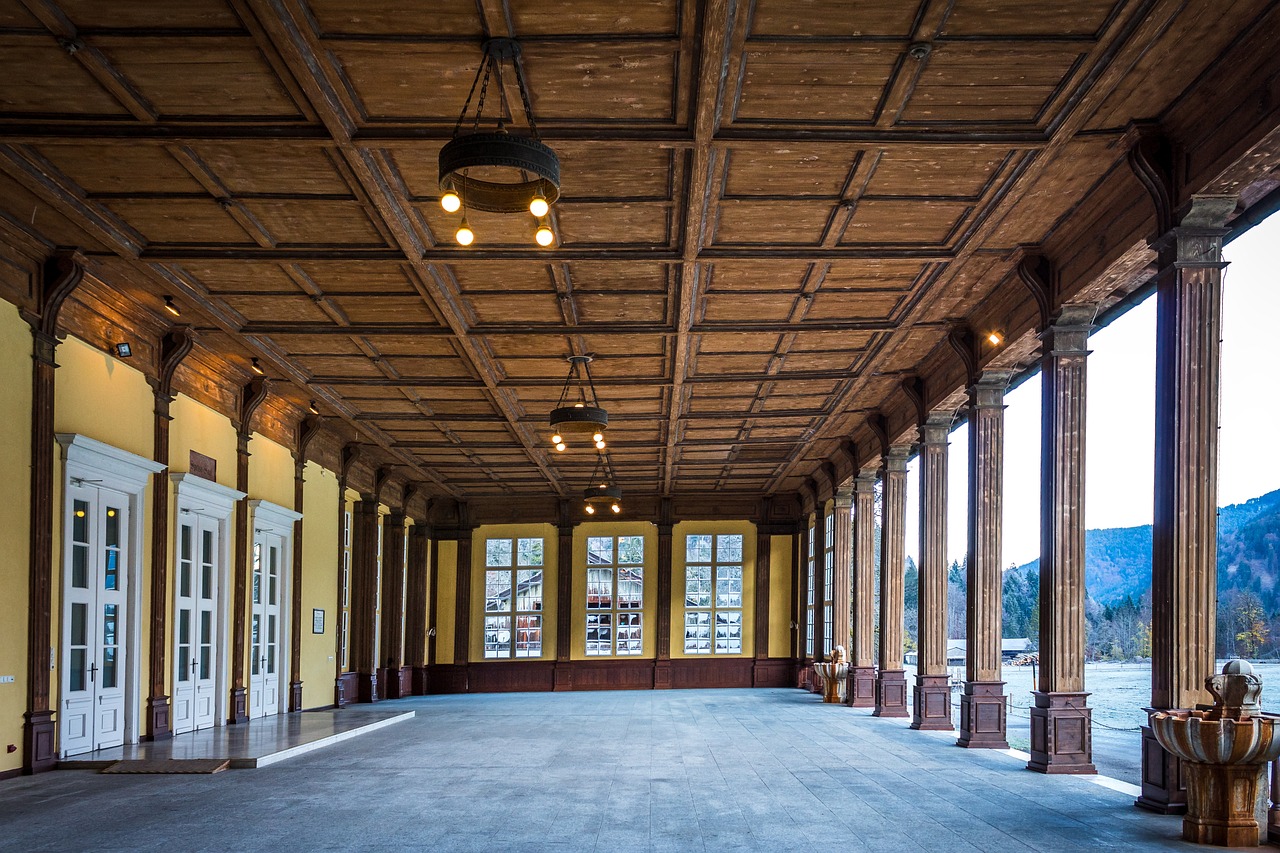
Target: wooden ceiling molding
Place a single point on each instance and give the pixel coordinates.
(772, 213)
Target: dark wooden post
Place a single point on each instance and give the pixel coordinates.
(173, 349)
(415, 611)
(393, 570)
(307, 431)
(891, 678)
(931, 707)
(250, 398)
(564, 600)
(62, 273)
(662, 666)
(763, 555)
(861, 688)
(364, 596)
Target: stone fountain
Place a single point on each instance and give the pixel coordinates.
(1226, 750)
(833, 674)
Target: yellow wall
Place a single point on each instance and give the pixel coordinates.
(199, 428)
(446, 596)
(579, 585)
(270, 471)
(550, 549)
(319, 583)
(15, 469)
(781, 549)
(678, 561)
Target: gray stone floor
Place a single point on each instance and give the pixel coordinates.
(670, 770)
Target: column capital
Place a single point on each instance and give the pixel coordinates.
(843, 498)
(895, 458)
(936, 428)
(865, 482)
(1068, 332)
(988, 389)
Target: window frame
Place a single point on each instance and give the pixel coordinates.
(714, 593)
(618, 619)
(513, 612)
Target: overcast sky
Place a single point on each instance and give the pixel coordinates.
(1121, 413)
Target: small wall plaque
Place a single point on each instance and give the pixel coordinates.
(317, 621)
(205, 467)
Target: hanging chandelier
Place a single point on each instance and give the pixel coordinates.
(584, 417)
(604, 490)
(495, 170)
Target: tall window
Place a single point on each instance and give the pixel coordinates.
(808, 640)
(828, 580)
(346, 586)
(713, 594)
(615, 594)
(513, 598)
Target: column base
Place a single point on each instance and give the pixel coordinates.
(421, 681)
(803, 674)
(662, 675)
(983, 712)
(1223, 804)
(563, 677)
(367, 687)
(295, 697)
(391, 683)
(341, 698)
(891, 693)
(239, 707)
(1061, 734)
(860, 692)
(931, 703)
(1164, 788)
(158, 727)
(38, 750)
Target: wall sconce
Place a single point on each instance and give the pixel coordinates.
(171, 307)
(255, 367)
(123, 350)
(995, 338)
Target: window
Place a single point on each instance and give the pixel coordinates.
(828, 580)
(713, 594)
(615, 594)
(808, 643)
(513, 598)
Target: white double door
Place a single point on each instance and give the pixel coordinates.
(94, 618)
(266, 624)
(196, 654)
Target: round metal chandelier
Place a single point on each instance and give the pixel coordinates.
(585, 417)
(604, 490)
(495, 170)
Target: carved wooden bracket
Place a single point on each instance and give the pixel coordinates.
(174, 347)
(1036, 272)
(966, 346)
(62, 273)
(879, 425)
(250, 399)
(1151, 158)
(913, 387)
(380, 479)
(350, 453)
(308, 429)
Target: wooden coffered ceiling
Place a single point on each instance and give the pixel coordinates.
(771, 210)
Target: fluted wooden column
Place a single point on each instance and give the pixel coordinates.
(393, 570)
(842, 553)
(250, 398)
(364, 597)
(662, 666)
(1184, 555)
(564, 602)
(982, 705)
(891, 679)
(931, 705)
(415, 608)
(1061, 722)
(861, 689)
(802, 622)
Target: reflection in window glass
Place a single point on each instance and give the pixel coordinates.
(713, 595)
(513, 583)
(615, 595)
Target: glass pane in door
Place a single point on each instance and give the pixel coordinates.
(206, 644)
(80, 546)
(184, 561)
(111, 550)
(273, 573)
(184, 645)
(79, 641)
(206, 565)
(109, 613)
(271, 644)
(256, 653)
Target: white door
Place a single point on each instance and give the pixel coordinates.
(265, 665)
(94, 618)
(195, 687)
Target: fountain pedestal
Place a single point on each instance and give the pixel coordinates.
(1225, 752)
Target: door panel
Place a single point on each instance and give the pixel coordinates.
(195, 635)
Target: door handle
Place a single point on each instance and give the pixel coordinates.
(93, 668)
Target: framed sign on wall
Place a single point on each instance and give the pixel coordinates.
(317, 621)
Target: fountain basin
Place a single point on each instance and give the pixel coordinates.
(833, 677)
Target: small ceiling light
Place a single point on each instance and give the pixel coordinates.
(560, 445)
(544, 235)
(584, 417)
(538, 206)
(591, 510)
(171, 307)
(451, 201)
(617, 508)
(465, 236)
(255, 367)
(995, 339)
(123, 350)
(313, 408)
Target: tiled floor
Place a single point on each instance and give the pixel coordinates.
(668, 770)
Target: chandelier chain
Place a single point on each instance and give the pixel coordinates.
(517, 63)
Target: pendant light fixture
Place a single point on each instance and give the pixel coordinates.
(604, 492)
(493, 169)
(584, 417)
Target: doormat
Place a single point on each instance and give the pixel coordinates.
(169, 765)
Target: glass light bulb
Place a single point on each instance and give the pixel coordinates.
(539, 207)
(616, 508)
(560, 446)
(465, 235)
(451, 202)
(995, 338)
(578, 405)
(544, 236)
(598, 437)
(599, 445)
(591, 510)
(556, 439)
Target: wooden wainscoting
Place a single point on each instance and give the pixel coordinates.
(541, 675)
